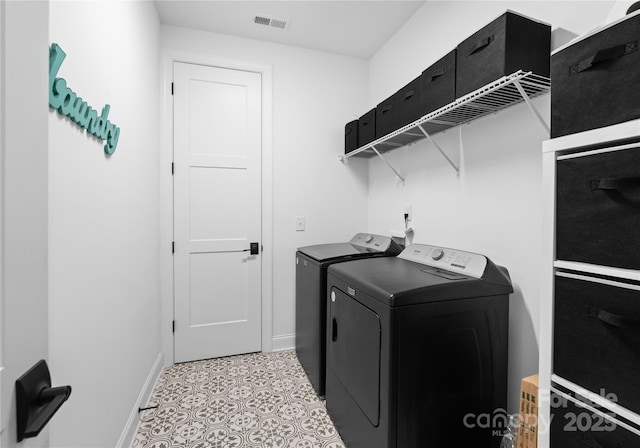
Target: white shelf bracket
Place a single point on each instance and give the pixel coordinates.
(426, 134)
(525, 97)
(388, 164)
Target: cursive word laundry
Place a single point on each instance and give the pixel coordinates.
(69, 104)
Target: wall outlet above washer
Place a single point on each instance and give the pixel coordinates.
(407, 211)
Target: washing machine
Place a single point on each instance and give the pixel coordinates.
(417, 349)
(311, 292)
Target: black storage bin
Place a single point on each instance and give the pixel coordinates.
(367, 128)
(573, 426)
(400, 109)
(596, 337)
(407, 103)
(508, 44)
(595, 79)
(351, 136)
(438, 88)
(385, 117)
(598, 208)
(438, 84)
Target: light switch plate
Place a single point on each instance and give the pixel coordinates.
(300, 223)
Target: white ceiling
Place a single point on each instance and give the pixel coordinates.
(353, 28)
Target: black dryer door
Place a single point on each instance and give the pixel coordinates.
(353, 351)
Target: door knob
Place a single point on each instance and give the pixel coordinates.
(36, 400)
(254, 248)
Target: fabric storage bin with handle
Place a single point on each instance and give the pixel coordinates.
(510, 43)
(385, 119)
(367, 128)
(351, 136)
(596, 78)
(596, 336)
(399, 109)
(598, 207)
(438, 88)
(575, 426)
(408, 107)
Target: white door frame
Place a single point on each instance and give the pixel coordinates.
(2, 336)
(166, 195)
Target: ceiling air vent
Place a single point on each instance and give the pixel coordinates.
(272, 22)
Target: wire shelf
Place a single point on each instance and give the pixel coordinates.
(494, 97)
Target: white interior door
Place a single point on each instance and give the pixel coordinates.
(217, 211)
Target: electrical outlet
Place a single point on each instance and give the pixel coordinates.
(299, 223)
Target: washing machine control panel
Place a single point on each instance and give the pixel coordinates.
(454, 260)
(371, 241)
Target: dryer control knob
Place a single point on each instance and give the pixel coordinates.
(368, 239)
(437, 254)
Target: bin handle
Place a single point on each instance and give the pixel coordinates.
(409, 94)
(438, 74)
(604, 55)
(613, 319)
(480, 45)
(614, 183)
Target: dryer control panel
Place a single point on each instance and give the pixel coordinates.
(454, 260)
(370, 241)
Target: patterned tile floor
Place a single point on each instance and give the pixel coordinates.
(257, 400)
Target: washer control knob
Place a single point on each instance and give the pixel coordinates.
(437, 254)
(368, 239)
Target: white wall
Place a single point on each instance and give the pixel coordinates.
(104, 220)
(314, 95)
(494, 207)
(23, 165)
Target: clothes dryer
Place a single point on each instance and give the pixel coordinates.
(311, 292)
(417, 349)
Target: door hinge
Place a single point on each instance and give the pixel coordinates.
(171, 88)
(172, 168)
(173, 326)
(173, 247)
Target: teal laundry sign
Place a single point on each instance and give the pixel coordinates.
(70, 105)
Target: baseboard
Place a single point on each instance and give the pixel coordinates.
(131, 428)
(284, 342)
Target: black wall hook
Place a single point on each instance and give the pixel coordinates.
(36, 400)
